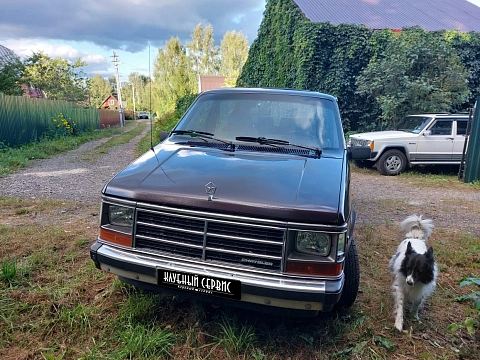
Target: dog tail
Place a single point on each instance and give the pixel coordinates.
(417, 228)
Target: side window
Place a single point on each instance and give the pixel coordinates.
(461, 127)
(442, 127)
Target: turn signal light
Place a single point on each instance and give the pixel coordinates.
(115, 237)
(309, 268)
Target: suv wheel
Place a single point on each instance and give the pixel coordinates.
(392, 162)
(352, 278)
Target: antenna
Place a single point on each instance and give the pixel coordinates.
(150, 78)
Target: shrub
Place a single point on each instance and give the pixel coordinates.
(64, 127)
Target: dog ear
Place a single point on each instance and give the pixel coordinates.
(429, 253)
(409, 249)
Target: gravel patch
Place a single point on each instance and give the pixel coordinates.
(68, 176)
(382, 199)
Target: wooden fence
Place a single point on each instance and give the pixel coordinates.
(108, 118)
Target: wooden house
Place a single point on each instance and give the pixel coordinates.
(110, 102)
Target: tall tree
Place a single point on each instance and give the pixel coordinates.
(10, 77)
(99, 90)
(112, 81)
(136, 86)
(418, 72)
(58, 78)
(203, 52)
(234, 50)
(174, 76)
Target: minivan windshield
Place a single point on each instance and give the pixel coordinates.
(413, 124)
(304, 120)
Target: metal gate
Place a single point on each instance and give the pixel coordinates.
(472, 154)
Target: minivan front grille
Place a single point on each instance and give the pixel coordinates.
(207, 238)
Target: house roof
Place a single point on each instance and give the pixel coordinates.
(431, 15)
(209, 82)
(106, 99)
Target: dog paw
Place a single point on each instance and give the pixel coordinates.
(399, 326)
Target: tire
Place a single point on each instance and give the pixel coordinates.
(352, 278)
(363, 164)
(392, 162)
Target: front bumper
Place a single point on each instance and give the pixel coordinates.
(272, 291)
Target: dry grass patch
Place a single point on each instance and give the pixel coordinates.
(58, 305)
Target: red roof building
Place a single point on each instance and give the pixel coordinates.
(31, 92)
(209, 82)
(110, 102)
(430, 15)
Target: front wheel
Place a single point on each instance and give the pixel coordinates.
(352, 278)
(392, 162)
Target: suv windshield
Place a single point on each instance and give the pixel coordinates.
(303, 120)
(413, 124)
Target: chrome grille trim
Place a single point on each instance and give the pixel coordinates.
(243, 254)
(228, 239)
(210, 216)
(170, 242)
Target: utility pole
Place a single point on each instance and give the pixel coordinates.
(133, 98)
(120, 104)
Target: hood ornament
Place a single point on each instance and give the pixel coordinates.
(210, 188)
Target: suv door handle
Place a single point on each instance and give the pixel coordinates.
(450, 138)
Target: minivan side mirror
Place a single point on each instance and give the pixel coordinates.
(358, 152)
(427, 133)
(164, 135)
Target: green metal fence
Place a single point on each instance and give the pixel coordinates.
(24, 120)
(472, 162)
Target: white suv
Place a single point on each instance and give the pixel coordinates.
(423, 139)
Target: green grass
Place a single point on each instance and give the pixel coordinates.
(8, 271)
(60, 306)
(123, 138)
(13, 159)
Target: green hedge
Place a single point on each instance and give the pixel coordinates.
(292, 52)
(167, 122)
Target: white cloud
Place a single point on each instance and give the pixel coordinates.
(94, 59)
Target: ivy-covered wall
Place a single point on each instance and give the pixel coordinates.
(292, 52)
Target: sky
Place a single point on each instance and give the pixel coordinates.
(93, 29)
(134, 29)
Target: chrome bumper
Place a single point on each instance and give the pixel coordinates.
(272, 290)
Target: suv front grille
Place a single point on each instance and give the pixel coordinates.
(209, 239)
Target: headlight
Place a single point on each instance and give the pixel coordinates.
(313, 243)
(120, 215)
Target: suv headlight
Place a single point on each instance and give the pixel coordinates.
(314, 243)
(120, 215)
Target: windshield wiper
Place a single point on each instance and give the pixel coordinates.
(204, 136)
(265, 141)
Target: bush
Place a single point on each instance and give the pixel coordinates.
(64, 127)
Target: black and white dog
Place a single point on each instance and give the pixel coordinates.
(413, 268)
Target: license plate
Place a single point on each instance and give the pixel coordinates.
(200, 284)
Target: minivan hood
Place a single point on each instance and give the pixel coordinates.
(282, 187)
